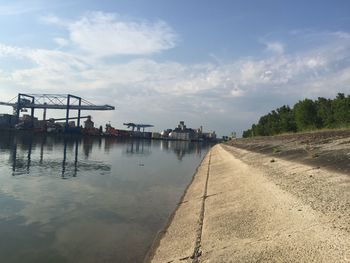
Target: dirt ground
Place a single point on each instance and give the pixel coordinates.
(325, 149)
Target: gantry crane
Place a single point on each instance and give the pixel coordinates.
(52, 101)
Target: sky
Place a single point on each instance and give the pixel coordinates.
(217, 64)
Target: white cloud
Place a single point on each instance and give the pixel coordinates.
(57, 69)
(6, 50)
(315, 62)
(103, 34)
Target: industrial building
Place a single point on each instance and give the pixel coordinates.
(181, 132)
(89, 124)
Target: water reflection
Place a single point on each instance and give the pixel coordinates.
(110, 209)
(21, 163)
(64, 162)
(22, 147)
(181, 148)
(142, 147)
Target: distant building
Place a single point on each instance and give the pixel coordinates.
(110, 131)
(183, 133)
(209, 136)
(165, 133)
(181, 126)
(156, 135)
(88, 124)
(7, 120)
(26, 118)
(183, 136)
(71, 124)
(27, 122)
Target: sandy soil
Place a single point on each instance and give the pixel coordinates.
(245, 206)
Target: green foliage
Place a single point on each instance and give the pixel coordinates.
(325, 113)
(305, 115)
(341, 110)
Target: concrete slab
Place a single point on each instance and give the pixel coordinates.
(248, 217)
(177, 242)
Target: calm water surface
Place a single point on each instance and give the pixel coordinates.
(89, 199)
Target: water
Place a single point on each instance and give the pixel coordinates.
(88, 199)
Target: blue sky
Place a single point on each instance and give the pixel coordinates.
(220, 64)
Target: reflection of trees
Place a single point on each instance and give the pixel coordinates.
(21, 147)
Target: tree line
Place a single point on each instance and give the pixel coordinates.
(304, 116)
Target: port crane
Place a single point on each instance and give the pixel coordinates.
(52, 101)
(137, 126)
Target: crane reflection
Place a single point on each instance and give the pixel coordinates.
(48, 154)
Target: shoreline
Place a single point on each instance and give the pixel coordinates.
(291, 211)
(155, 244)
(13, 131)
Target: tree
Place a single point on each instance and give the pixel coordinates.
(287, 120)
(324, 112)
(306, 115)
(247, 133)
(341, 110)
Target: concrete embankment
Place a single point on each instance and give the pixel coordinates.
(243, 207)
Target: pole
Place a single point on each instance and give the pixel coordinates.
(79, 110)
(44, 114)
(32, 114)
(18, 108)
(67, 112)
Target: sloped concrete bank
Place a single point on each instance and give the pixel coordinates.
(243, 207)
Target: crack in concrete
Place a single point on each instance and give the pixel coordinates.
(197, 249)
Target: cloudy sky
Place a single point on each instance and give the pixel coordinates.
(220, 64)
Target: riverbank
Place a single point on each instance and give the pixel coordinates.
(328, 149)
(245, 206)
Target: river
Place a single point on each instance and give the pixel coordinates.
(88, 199)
